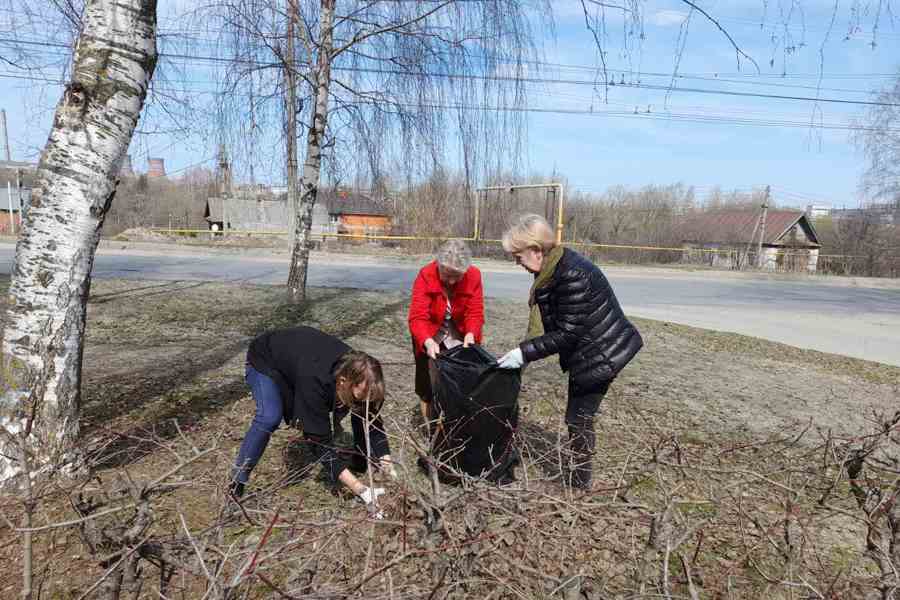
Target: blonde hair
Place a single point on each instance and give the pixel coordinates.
(454, 255)
(529, 231)
(358, 367)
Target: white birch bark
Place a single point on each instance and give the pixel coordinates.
(312, 167)
(76, 179)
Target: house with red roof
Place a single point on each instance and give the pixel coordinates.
(731, 239)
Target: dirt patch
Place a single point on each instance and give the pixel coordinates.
(703, 422)
(142, 234)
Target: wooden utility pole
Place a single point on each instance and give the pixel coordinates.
(224, 177)
(290, 123)
(762, 229)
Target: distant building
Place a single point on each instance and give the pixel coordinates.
(17, 164)
(354, 213)
(790, 241)
(12, 204)
(245, 214)
(817, 211)
(156, 167)
(885, 213)
(334, 212)
(17, 179)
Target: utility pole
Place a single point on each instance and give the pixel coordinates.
(5, 135)
(225, 180)
(290, 123)
(762, 229)
(19, 195)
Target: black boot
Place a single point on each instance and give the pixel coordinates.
(581, 447)
(235, 489)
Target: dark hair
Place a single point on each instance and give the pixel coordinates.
(358, 367)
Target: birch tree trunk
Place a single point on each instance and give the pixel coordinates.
(76, 180)
(290, 123)
(312, 166)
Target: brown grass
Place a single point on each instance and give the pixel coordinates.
(715, 454)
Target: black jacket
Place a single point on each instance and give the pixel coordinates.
(584, 324)
(301, 362)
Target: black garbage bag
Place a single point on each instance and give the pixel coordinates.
(479, 409)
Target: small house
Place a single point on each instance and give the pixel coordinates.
(355, 213)
(731, 238)
(246, 214)
(12, 203)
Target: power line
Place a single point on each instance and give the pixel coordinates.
(662, 116)
(800, 119)
(612, 84)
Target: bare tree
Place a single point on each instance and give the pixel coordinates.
(879, 140)
(114, 60)
(390, 82)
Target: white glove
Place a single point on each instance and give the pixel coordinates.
(370, 495)
(512, 360)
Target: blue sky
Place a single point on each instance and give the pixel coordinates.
(675, 141)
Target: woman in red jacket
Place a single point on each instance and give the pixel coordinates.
(447, 309)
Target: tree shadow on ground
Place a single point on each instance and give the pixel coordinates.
(175, 374)
(544, 449)
(165, 379)
(166, 287)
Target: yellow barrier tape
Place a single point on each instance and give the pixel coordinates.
(355, 236)
(226, 233)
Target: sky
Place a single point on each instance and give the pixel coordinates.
(652, 130)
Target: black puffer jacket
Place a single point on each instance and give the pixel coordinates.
(584, 324)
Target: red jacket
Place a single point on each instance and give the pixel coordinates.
(429, 304)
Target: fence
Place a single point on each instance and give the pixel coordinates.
(786, 261)
(481, 217)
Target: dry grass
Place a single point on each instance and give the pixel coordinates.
(718, 472)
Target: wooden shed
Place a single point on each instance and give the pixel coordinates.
(790, 242)
(246, 214)
(355, 213)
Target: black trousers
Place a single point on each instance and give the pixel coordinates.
(580, 413)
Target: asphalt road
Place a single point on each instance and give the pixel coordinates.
(831, 315)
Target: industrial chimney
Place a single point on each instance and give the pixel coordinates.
(156, 167)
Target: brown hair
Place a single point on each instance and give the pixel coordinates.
(358, 367)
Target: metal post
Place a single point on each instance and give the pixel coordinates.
(12, 219)
(224, 216)
(476, 232)
(561, 202)
(559, 215)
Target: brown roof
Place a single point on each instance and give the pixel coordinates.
(349, 203)
(737, 226)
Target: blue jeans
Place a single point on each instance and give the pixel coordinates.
(269, 412)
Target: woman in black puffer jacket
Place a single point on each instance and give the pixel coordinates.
(574, 313)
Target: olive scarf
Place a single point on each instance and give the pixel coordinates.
(548, 267)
